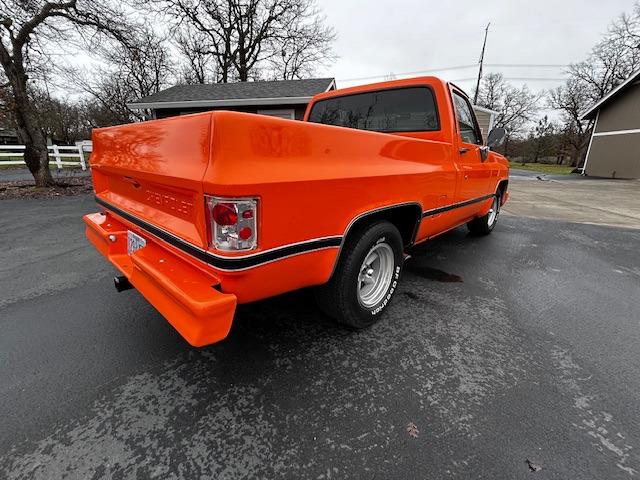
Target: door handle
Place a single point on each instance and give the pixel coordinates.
(463, 150)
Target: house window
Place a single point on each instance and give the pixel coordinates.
(287, 113)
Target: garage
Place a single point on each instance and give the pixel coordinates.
(614, 148)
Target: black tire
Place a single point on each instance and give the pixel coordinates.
(340, 298)
(485, 224)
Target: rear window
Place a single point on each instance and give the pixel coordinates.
(399, 110)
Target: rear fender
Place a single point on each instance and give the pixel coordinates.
(405, 216)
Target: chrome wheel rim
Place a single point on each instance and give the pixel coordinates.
(493, 212)
(376, 273)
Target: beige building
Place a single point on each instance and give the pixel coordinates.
(486, 119)
(614, 149)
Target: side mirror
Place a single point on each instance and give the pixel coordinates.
(496, 137)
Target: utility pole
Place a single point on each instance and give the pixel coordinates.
(484, 44)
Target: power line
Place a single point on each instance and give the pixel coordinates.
(537, 79)
(528, 65)
(416, 72)
(462, 67)
(519, 79)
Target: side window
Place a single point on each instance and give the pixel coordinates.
(411, 109)
(466, 123)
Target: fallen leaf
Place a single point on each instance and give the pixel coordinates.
(534, 467)
(412, 430)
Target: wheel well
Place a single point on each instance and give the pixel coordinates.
(502, 187)
(406, 219)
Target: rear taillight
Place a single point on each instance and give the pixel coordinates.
(224, 214)
(232, 223)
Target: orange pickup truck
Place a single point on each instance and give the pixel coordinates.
(205, 211)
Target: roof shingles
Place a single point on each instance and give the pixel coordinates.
(240, 91)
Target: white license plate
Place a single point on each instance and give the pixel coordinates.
(134, 242)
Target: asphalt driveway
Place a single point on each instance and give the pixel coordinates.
(23, 174)
(499, 356)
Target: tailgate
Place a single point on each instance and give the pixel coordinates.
(154, 171)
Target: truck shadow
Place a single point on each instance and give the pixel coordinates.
(292, 321)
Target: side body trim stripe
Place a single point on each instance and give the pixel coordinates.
(226, 263)
(436, 211)
(260, 258)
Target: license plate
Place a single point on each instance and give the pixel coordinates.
(134, 242)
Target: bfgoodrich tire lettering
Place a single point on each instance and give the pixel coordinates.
(347, 296)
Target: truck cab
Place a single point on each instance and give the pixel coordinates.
(429, 109)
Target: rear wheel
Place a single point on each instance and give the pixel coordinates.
(366, 277)
(484, 225)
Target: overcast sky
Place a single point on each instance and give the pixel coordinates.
(376, 38)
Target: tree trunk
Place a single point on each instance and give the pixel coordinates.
(243, 73)
(36, 155)
(37, 160)
(581, 157)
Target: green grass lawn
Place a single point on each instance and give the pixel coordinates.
(543, 168)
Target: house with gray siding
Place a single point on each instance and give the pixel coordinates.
(280, 98)
(614, 148)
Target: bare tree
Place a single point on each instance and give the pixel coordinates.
(612, 59)
(95, 114)
(609, 63)
(572, 100)
(516, 107)
(304, 47)
(200, 62)
(139, 68)
(61, 119)
(27, 26)
(248, 37)
(542, 139)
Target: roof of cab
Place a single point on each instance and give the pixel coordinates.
(405, 82)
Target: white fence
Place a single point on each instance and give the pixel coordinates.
(63, 155)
